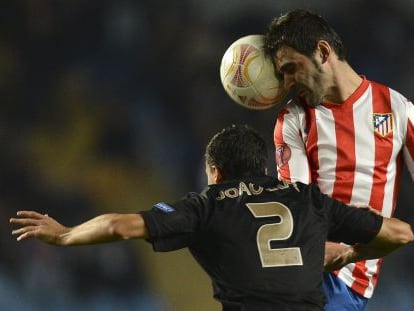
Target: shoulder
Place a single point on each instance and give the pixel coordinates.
(292, 117)
(382, 89)
(196, 199)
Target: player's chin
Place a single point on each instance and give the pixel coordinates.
(305, 100)
(311, 100)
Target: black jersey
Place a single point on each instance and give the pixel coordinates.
(260, 240)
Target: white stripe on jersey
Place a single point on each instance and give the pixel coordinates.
(325, 124)
(364, 151)
(372, 268)
(346, 274)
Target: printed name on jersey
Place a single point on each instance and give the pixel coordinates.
(283, 154)
(164, 207)
(383, 123)
(250, 189)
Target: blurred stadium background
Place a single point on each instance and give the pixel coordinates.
(107, 105)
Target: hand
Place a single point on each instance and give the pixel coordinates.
(36, 225)
(336, 256)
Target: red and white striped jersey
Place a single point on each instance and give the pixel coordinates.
(354, 152)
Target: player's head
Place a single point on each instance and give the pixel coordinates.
(235, 152)
(303, 46)
(301, 30)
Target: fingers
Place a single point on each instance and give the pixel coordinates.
(30, 214)
(27, 218)
(24, 233)
(29, 222)
(21, 230)
(35, 225)
(24, 221)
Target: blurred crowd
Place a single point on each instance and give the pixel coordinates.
(107, 106)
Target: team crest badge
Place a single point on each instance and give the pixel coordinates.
(383, 123)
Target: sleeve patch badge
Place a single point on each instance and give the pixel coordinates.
(164, 207)
(282, 154)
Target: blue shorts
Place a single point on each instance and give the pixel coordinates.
(340, 297)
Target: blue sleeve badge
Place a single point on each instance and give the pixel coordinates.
(164, 207)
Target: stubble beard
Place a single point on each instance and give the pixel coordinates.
(315, 96)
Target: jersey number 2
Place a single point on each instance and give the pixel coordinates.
(275, 257)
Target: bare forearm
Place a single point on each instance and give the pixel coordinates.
(96, 230)
(340, 255)
(106, 228)
(366, 251)
(394, 233)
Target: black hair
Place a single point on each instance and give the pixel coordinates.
(301, 30)
(239, 151)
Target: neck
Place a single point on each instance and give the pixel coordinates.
(343, 83)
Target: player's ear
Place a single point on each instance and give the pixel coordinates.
(219, 175)
(324, 50)
(214, 174)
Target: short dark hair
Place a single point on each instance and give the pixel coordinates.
(301, 30)
(239, 151)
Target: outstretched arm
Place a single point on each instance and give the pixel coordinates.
(101, 229)
(394, 233)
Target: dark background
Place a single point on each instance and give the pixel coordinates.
(106, 106)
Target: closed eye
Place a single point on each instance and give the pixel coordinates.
(287, 68)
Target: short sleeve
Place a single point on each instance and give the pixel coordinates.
(353, 225)
(347, 224)
(291, 159)
(173, 226)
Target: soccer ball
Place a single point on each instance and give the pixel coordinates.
(248, 76)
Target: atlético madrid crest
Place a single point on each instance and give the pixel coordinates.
(383, 123)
